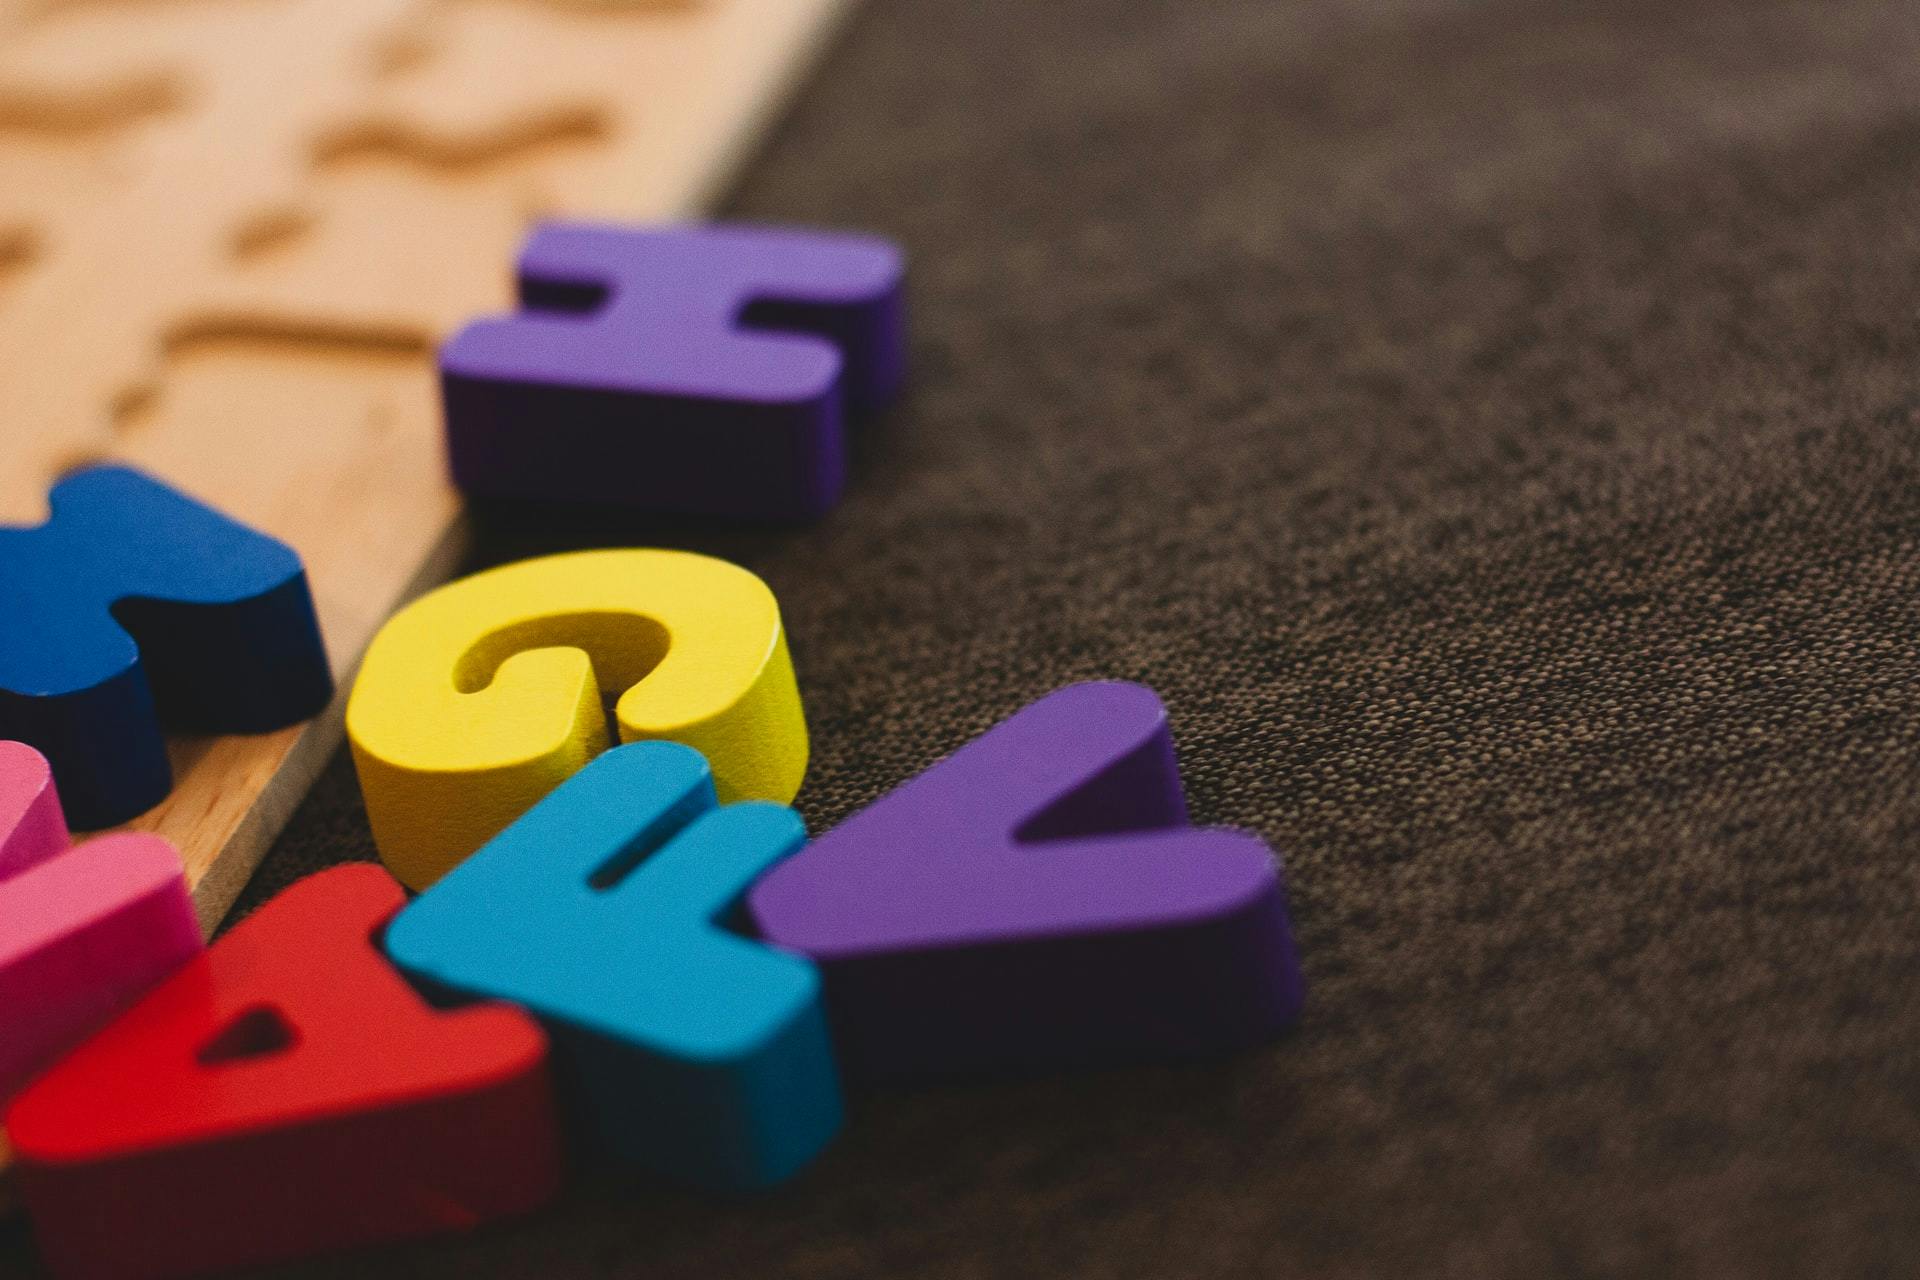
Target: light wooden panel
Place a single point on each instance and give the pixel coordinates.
(233, 231)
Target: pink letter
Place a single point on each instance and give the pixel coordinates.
(83, 931)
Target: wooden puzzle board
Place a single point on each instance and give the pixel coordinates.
(232, 233)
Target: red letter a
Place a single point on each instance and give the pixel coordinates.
(287, 1091)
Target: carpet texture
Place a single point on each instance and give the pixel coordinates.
(1492, 427)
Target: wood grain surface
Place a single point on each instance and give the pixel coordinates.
(232, 233)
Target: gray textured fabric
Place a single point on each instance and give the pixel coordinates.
(1491, 426)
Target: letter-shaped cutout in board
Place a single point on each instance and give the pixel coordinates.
(683, 1047)
(284, 1093)
(135, 607)
(704, 369)
(479, 698)
(1037, 899)
(83, 931)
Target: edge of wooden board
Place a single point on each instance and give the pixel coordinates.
(314, 743)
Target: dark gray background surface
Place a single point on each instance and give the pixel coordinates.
(1492, 427)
